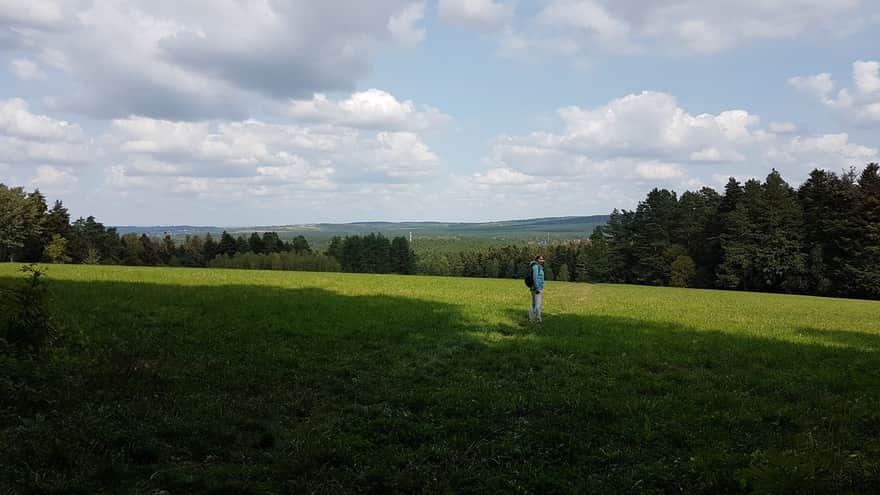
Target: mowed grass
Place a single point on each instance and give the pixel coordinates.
(224, 381)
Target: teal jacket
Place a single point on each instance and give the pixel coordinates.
(538, 276)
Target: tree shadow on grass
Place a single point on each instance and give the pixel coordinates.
(846, 338)
(255, 389)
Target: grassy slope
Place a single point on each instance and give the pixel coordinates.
(239, 381)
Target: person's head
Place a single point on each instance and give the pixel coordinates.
(540, 259)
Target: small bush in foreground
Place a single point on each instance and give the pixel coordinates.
(26, 319)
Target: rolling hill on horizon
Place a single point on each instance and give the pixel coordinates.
(558, 227)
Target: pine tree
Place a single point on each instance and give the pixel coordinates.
(334, 249)
(151, 250)
(376, 254)
(830, 229)
(865, 266)
(242, 245)
(739, 237)
(300, 245)
(562, 273)
(621, 241)
(56, 251)
(167, 250)
(210, 247)
(35, 227)
(352, 259)
(656, 218)
(88, 234)
(683, 271)
(132, 250)
(272, 243)
(255, 244)
(227, 245)
(13, 221)
(779, 260)
(193, 251)
(403, 259)
(56, 222)
(698, 232)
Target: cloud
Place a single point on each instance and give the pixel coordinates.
(371, 109)
(147, 167)
(503, 177)
(119, 178)
(586, 28)
(659, 171)
(26, 70)
(859, 105)
(25, 13)
(204, 59)
(28, 138)
(589, 18)
(713, 154)
(782, 127)
(866, 76)
(54, 180)
(256, 157)
(16, 120)
(612, 154)
(834, 148)
(648, 124)
(22, 151)
(477, 14)
(403, 25)
(819, 86)
(146, 135)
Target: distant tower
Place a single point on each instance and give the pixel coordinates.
(410, 236)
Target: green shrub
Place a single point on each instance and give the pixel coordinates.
(26, 321)
(683, 271)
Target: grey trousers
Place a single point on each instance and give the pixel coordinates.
(535, 308)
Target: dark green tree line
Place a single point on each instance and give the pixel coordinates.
(822, 238)
(373, 253)
(765, 236)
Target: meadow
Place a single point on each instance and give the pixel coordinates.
(227, 381)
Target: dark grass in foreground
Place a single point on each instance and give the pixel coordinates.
(201, 381)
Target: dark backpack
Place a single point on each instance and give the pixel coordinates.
(530, 276)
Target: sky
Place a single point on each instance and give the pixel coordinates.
(271, 112)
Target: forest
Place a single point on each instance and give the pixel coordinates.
(822, 238)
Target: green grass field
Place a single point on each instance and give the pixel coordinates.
(214, 381)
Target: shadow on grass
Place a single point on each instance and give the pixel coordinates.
(254, 389)
(846, 338)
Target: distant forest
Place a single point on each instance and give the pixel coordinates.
(822, 238)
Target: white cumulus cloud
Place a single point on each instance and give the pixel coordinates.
(371, 109)
(580, 29)
(615, 152)
(403, 24)
(659, 171)
(30, 138)
(859, 105)
(54, 180)
(17, 120)
(478, 14)
(503, 177)
(203, 58)
(254, 157)
(649, 124)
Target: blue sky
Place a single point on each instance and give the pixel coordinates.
(226, 112)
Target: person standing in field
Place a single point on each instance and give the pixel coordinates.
(536, 288)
